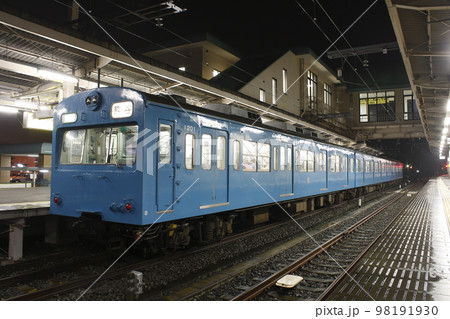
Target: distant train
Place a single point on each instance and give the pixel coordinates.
(132, 159)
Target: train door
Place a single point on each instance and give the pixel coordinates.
(214, 168)
(287, 170)
(166, 170)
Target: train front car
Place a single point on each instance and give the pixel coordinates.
(95, 164)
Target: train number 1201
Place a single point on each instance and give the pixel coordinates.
(189, 128)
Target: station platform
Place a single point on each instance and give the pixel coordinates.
(411, 261)
(17, 204)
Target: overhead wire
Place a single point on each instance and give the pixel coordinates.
(320, 56)
(314, 20)
(187, 41)
(362, 62)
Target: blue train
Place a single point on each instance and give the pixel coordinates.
(124, 157)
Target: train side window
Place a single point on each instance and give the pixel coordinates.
(263, 157)
(236, 155)
(289, 159)
(282, 158)
(249, 151)
(206, 151)
(189, 151)
(165, 149)
(221, 153)
(276, 158)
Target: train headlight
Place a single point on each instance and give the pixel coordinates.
(122, 110)
(69, 118)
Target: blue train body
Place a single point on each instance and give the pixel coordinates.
(125, 158)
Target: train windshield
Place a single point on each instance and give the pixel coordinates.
(100, 145)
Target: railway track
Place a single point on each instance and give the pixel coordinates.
(332, 259)
(118, 273)
(240, 279)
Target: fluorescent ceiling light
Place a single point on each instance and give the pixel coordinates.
(25, 105)
(56, 76)
(7, 109)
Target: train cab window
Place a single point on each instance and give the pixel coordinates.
(100, 145)
(276, 158)
(282, 158)
(73, 147)
(249, 151)
(221, 152)
(189, 146)
(236, 155)
(206, 151)
(263, 157)
(165, 142)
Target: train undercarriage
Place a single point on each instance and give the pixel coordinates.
(180, 234)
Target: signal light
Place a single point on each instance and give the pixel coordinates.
(128, 206)
(57, 200)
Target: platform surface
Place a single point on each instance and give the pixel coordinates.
(411, 262)
(18, 202)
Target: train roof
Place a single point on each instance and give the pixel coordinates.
(220, 110)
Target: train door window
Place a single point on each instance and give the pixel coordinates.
(367, 164)
(323, 161)
(249, 156)
(189, 151)
(275, 158)
(263, 157)
(289, 159)
(338, 163)
(344, 163)
(282, 158)
(236, 155)
(297, 160)
(303, 164)
(165, 138)
(351, 164)
(206, 151)
(311, 161)
(221, 153)
(332, 163)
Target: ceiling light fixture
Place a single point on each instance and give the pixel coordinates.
(56, 76)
